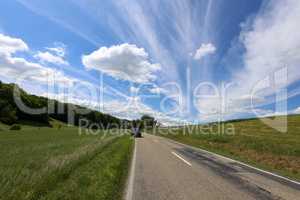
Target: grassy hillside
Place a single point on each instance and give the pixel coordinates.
(252, 142)
(57, 163)
(10, 113)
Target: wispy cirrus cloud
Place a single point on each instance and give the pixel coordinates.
(270, 59)
(168, 32)
(63, 13)
(59, 49)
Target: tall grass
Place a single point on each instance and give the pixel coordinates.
(45, 163)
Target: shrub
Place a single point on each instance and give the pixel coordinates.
(7, 113)
(15, 127)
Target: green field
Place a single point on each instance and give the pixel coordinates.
(253, 142)
(58, 163)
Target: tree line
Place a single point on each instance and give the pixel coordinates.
(10, 113)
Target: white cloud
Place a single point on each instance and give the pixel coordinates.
(131, 108)
(158, 90)
(237, 114)
(218, 108)
(125, 61)
(134, 89)
(13, 67)
(47, 57)
(134, 108)
(204, 50)
(270, 42)
(296, 111)
(9, 45)
(59, 49)
(246, 101)
(54, 55)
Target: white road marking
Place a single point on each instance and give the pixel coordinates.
(186, 162)
(155, 141)
(129, 192)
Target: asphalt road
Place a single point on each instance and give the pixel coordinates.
(163, 169)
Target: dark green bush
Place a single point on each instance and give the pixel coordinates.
(15, 127)
(7, 113)
(59, 126)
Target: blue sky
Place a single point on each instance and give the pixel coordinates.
(169, 59)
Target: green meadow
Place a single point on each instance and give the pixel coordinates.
(39, 162)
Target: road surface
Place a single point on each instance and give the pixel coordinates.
(164, 169)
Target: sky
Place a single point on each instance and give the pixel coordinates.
(181, 61)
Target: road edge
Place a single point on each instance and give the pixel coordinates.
(128, 194)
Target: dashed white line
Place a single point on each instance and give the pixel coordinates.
(182, 159)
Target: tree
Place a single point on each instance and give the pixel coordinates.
(148, 121)
(7, 113)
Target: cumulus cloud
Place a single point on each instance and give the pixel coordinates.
(9, 45)
(204, 50)
(125, 62)
(16, 67)
(47, 57)
(53, 55)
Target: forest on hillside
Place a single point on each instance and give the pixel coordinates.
(10, 113)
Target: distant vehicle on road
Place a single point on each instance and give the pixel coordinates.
(136, 132)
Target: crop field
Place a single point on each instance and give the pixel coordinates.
(252, 142)
(58, 163)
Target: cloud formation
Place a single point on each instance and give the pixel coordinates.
(59, 49)
(296, 111)
(271, 41)
(134, 90)
(270, 60)
(156, 90)
(13, 67)
(204, 50)
(125, 62)
(130, 108)
(47, 57)
(9, 45)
